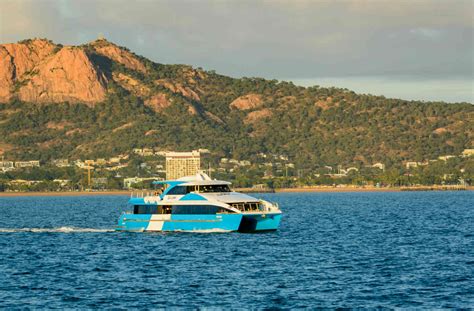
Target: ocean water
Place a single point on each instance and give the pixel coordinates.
(332, 250)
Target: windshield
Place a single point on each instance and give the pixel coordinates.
(214, 188)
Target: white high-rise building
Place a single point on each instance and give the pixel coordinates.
(180, 164)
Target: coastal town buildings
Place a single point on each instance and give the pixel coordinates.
(61, 162)
(23, 164)
(144, 152)
(7, 165)
(379, 165)
(412, 164)
(446, 157)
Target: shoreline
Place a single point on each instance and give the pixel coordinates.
(336, 189)
(63, 193)
(245, 190)
(374, 189)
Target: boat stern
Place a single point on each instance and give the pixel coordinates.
(254, 222)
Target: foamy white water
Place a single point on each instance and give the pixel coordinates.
(51, 230)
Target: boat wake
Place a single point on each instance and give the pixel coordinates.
(53, 230)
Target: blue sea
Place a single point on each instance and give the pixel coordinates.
(395, 250)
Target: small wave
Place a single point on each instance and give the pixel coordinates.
(59, 229)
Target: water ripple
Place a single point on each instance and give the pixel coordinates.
(373, 250)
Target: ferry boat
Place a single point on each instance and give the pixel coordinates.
(199, 204)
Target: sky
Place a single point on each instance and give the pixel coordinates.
(411, 49)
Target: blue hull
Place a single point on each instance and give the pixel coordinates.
(260, 222)
(170, 222)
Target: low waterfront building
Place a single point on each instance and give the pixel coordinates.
(79, 163)
(412, 164)
(7, 164)
(352, 168)
(99, 182)
(379, 165)
(224, 160)
(23, 164)
(161, 153)
(260, 187)
(62, 182)
(116, 167)
(144, 152)
(18, 182)
(60, 162)
(129, 182)
(446, 157)
(337, 175)
(101, 162)
(147, 152)
(114, 160)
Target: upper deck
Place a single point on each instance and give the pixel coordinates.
(200, 183)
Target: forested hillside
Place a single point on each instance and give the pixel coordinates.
(48, 112)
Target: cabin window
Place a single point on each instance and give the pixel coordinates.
(145, 209)
(197, 209)
(214, 188)
(178, 190)
(192, 189)
(247, 207)
(152, 209)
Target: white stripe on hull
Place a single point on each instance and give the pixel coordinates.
(157, 221)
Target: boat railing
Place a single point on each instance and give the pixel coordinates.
(270, 206)
(142, 194)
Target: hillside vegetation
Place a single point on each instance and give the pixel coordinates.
(99, 100)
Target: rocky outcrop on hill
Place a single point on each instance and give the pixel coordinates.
(28, 54)
(18, 59)
(118, 54)
(158, 102)
(7, 74)
(131, 84)
(40, 71)
(255, 116)
(246, 102)
(69, 75)
(178, 88)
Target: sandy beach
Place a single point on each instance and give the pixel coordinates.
(63, 193)
(338, 189)
(281, 190)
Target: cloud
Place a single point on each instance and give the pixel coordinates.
(426, 33)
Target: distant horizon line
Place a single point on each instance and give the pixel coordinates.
(409, 88)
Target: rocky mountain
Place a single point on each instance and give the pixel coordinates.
(99, 99)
